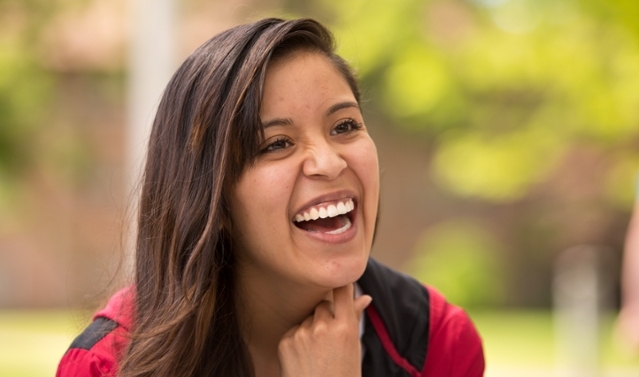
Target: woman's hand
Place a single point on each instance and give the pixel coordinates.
(327, 343)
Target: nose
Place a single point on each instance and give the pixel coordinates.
(323, 161)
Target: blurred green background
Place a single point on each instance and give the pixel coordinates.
(508, 131)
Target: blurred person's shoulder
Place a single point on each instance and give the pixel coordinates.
(411, 328)
(96, 350)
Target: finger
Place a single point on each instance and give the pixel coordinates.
(323, 311)
(343, 300)
(291, 331)
(361, 303)
(307, 323)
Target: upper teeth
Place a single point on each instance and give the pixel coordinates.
(323, 212)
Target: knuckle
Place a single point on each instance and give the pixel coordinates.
(300, 336)
(284, 347)
(320, 328)
(345, 331)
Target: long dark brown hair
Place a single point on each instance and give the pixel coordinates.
(206, 132)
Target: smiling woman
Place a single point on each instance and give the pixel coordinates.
(256, 222)
(316, 159)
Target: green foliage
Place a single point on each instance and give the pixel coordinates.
(23, 92)
(498, 168)
(417, 81)
(461, 261)
(368, 31)
(506, 87)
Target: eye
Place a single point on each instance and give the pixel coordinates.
(279, 144)
(346, 126)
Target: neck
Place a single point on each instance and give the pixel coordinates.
(268, 309)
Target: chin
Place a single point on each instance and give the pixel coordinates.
(344, 272)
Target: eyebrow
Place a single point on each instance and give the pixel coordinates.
(339, 106)
(331, 110)
(277, 122)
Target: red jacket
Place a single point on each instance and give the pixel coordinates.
(410, 331)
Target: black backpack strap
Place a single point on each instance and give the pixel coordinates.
(402, 304)
(97, 330)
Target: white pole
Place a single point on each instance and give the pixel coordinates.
(150, 65)
(577, 299)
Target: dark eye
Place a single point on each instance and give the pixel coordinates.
(277, 145)
(346, 126)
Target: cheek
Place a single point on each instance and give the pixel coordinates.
(368, 172)
(367, 167)
(262, 191)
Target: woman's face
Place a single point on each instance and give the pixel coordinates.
(305, 212)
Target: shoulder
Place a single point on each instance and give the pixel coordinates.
(456, 347)
(95, 351)
(415, 330)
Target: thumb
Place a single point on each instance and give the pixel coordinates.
(361, 303)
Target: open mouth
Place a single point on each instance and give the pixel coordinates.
(327, 218)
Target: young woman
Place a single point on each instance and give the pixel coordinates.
(256, 221)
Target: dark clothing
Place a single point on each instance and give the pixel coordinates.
(410, 330)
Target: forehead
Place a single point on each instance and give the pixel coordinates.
(302, 82)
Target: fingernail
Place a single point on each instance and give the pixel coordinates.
(369, 301)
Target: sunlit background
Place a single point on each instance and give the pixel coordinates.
(508, 134)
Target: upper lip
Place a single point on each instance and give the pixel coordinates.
(330, 197)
